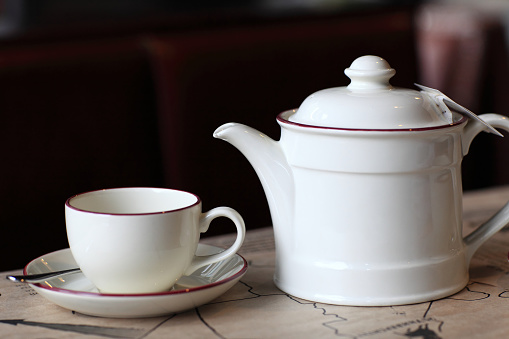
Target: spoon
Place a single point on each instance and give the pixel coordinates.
(184, 281)
(36, 278)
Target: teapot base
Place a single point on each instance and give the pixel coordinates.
(372, 301)
(374, 287)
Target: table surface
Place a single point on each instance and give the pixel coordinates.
(255, 308)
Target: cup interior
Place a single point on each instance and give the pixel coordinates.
(136, 200)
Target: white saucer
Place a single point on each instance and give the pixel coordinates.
(77, 293)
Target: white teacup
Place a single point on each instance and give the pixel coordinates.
(141, 240)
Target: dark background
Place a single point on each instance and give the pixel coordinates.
(127, 93)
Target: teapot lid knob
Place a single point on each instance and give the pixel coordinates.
(369, 72)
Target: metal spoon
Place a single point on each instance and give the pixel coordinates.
(184, 281)
(36, 278)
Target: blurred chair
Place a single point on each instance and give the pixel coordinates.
(462, 51)
(75, 116)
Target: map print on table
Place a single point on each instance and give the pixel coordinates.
(255, 308)
(108, 332)
(284, 314)
(310, 319)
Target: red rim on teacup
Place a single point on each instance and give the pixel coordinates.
(67, 203)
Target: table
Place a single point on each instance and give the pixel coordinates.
(255, 308)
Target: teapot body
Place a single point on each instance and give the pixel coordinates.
(376, 213)
(365, 194)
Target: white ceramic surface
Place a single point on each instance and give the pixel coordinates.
(141, 240)
(368, 216)
(75, 292)
(369, 102)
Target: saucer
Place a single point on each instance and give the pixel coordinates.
(77, 293)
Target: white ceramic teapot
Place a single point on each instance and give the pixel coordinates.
(364, 189)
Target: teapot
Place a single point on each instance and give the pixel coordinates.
(364, 190)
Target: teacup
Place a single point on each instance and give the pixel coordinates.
(141, 240)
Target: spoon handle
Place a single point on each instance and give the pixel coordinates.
(35, 278)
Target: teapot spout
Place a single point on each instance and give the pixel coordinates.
(269, 161)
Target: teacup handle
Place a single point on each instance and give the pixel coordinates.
(205, 220)
(500, 219)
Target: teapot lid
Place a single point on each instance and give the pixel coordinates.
(371, 102)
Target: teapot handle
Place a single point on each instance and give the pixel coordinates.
(475, 239)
